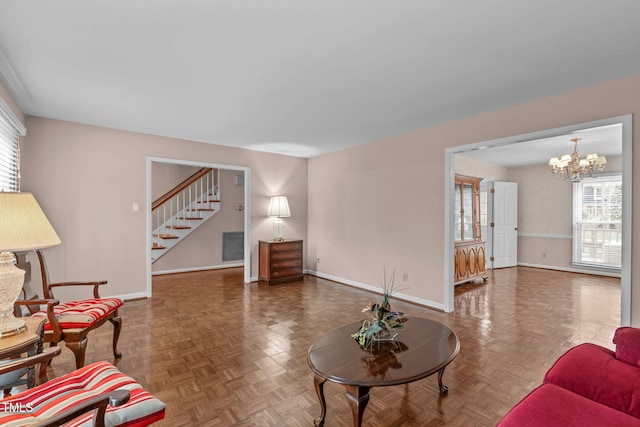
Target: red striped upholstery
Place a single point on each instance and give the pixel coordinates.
(48, 399)
(83, 313)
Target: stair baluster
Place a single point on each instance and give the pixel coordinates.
(195, 194)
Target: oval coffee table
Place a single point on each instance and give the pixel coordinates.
(423, 348)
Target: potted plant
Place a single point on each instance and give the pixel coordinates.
(382, 322)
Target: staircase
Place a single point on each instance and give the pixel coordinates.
(183, 209)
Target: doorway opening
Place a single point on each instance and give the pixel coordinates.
(242, 176)
(625, 123)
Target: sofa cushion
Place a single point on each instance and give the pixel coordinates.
(594, 372)
(83, 313)
(627, 341)
(34, 405)
(550, 406)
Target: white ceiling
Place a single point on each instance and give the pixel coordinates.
(303, 77)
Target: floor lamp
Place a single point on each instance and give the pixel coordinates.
(23, 227)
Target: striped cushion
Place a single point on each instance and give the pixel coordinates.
(82, 314)
(50, 398)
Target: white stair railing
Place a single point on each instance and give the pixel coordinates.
(181, 210)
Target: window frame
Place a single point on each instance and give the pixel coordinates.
(577, 236)
(11, 129)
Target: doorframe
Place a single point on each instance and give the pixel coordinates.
(627, 201)
(246, 211)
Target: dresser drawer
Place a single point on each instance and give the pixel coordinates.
(286, 272)
(286, 246)
(280, 262)
(295, 254)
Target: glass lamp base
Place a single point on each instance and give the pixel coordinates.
(12, 326)
(278, 230)
(11, 281)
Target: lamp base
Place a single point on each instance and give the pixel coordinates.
(11, 326)
(278, 230)
(11, 281)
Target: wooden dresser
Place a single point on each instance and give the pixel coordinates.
(280, 262)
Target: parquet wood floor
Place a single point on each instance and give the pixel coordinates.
(223, 353)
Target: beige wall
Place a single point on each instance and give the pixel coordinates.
(381, 203)
(165, 176)
(486, 171)
(86, 179)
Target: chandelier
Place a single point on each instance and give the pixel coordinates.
(571, 166)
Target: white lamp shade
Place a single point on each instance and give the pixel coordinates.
(279, 207)
(23, 225)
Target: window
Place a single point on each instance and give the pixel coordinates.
(10, 130)
(597, 214)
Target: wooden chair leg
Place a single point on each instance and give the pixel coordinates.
(51, 344)
(79, 349)
(117, 326)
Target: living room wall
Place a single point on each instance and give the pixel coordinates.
(86, 179)
(381, 204)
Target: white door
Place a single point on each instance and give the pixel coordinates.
(504, 224)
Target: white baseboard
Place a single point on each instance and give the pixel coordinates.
(377, 290)
(127, 297)
(570, 269)
(187, 270)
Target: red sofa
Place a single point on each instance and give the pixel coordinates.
(589, 385)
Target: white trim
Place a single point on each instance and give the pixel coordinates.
(247, 210)
(247, 225)
(545, 236)
(569, 269)
(627, 195)
(449, 233)
(627, 215)
(127, 297)
(192, 269)
(13, 120)
(12, 82)
(378, 290)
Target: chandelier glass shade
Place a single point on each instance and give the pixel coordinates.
(572, 167)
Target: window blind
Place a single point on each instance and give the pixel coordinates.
(597, 214)
(11, 129)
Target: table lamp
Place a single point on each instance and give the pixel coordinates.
(23, 227)
(279, 208)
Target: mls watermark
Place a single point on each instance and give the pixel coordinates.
(16, 407)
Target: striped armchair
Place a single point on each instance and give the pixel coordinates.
(95, 395)
(75, 319)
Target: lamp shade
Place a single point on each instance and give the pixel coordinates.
(279, 207)
(23, 225)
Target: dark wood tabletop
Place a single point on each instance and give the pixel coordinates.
(423, 348)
